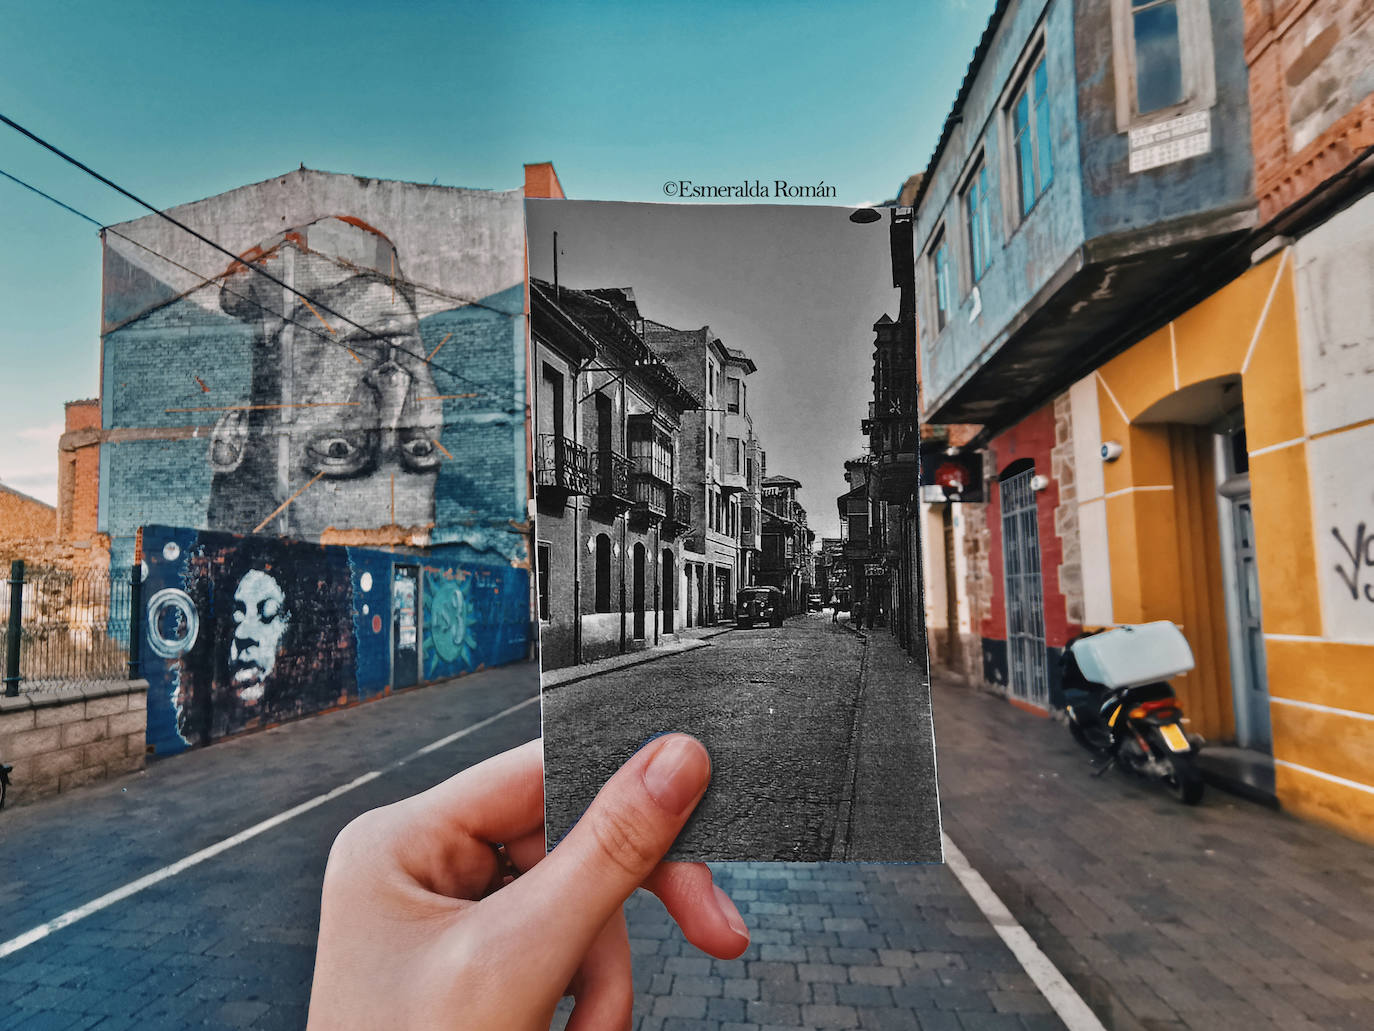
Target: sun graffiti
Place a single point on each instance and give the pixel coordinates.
(452, 634)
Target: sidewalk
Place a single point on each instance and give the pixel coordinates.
(1223, 915)
(683, 641)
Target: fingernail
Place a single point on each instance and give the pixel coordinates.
(676, 774)
(731, 914)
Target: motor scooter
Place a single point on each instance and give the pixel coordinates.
(1122, 709)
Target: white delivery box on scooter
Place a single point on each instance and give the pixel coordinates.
(1132, 655)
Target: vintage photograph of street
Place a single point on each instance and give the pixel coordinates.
(724, 441)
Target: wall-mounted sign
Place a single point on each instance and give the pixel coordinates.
(1163, 143)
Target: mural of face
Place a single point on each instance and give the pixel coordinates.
(341, 427)
(261, 618)
(377, 453)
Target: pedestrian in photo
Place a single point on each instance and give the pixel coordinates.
(443, 911)
(857, 614)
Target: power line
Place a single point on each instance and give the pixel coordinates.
(370, 334)
(49, 196)
(204, 280)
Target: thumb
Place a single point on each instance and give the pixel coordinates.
(616, 844)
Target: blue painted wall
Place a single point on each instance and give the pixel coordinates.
(1117, 200)
(244, 632)
(1024, 254)
(1093, 195)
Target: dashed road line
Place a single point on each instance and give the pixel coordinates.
(209, 852)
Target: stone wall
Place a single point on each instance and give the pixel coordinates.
(60, 740)
(1066, 514)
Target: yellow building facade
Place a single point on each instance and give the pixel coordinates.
(1225, 469)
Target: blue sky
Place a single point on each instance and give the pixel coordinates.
(178, 101)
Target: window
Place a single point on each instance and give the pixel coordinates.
(979, 221)
(710, 444)
(710, 509)
(1030, 133)
(710, 378)
(732, 395)
(733, 453)
(603, 573)
(542, 560)
(1162, 53)
(939, 262)
(1158, 54)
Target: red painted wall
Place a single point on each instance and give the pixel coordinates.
(1033, 438)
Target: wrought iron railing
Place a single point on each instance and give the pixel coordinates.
(73, 626)
(610, 474)
(651, 496)
(681, 512)
(561, 464)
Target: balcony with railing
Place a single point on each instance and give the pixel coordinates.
(610, 478)
(561, 466)
(651, 498)
(894, 471)
(679, 518)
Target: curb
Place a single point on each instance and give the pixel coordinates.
(632, 659)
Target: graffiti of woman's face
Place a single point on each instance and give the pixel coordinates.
(365, 419)
(260, 621)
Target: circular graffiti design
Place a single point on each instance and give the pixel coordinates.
(450, 624)
(173, 622)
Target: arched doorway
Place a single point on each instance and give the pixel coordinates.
(669, 597)
(639, 592)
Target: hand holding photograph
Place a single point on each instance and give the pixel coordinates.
(728, 536)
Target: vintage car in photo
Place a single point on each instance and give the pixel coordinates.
(754, 605)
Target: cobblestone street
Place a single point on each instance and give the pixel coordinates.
(802, 745)
(1160, 916)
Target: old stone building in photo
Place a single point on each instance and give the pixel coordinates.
(609, 449)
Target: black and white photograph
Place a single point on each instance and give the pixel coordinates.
(728, 537)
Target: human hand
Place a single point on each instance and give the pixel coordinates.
(421, 925)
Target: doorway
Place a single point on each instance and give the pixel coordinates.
(1245, 630)
(669, 580)
(639, 592)
(1027, 661)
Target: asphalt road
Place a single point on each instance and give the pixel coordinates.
(782, 712)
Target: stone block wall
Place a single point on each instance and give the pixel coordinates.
(1066, 512)
(61, 740)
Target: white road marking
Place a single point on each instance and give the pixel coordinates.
(1067, 1003)
(134, 887)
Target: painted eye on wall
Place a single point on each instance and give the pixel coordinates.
(420, 454)
(337, 454)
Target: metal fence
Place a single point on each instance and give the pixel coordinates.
(64, 627)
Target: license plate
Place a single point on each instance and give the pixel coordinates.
(1174, 737)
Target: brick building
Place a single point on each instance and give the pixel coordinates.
(347, 395)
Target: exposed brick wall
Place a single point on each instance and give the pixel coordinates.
(78, 472)
(1308, 121)
(23, 519)
(76, 736)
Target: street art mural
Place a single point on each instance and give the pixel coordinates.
(379, 401)
(341, 426)
(243, 632)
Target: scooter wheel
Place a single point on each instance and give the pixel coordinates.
(1186, 781)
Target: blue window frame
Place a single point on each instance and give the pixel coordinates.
(943, 296)
(1031, 138)
(979, 221)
